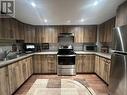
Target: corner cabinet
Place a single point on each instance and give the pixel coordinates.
(19, 72)
(85, 63)
(4, 85)
(102, 68)
(105, 31)
(45, 63)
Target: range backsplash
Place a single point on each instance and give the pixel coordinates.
(54, 47)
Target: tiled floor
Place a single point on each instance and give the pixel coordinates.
(90, 80)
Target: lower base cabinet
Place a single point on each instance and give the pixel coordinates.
(15, 74)
(19, 72)
(45, 63)
(85, 63)
(102, 68)
(4, 85)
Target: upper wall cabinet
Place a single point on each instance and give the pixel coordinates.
(39, 37)
(20, 34)
(47, 34)
(121, 16)
(90, 34)
(50, 35)
(5, 31)
(15, 28)
(29, 31)
(78, 33)
(83, 33)
(105, 31)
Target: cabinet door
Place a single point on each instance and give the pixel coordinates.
(105, 31)
(97, 66)
(101, 32)
(29, 33)
(88, 63)
(39, 34)
(40, 64)
(90, 34)
(6, 29)
(30, 66)
(51, 61)
(78, 33)
(121, 16)
(45, 63)
(102, 64)
(79, 62)
(50, 35)
(21, 32)
(4, 85)
(15, 29)
(107, 70)
(37, 64)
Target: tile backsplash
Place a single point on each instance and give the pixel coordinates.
(78, 46)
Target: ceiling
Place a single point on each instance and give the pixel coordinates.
(65, 12)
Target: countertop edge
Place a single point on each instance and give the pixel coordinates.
(5, 63)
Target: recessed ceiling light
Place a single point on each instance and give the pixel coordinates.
(45, 20)
(33, 4)
(95, 3)
(82, 20)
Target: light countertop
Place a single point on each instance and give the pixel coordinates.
(4, 63)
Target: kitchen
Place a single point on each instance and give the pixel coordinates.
(58, 47)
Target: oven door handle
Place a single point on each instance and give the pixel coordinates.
(66, 55)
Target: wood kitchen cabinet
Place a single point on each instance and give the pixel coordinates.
(5, 31)
(4, 85)
(15, 76)
(90, 34)
(79, 63)
(20, 32)
(39, 34)
(11, 29)
(47, 34)
(29, 33)
(105, 31)
(102, 68)
(97, 65)
(83, 33)
(85, 63)
(107, 70)
(19, 72)
(15, 29)
(121, 15)
(45, 63)
(78, 33)
(50, 35)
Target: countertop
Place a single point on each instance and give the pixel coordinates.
(105, 55)
(4, 63)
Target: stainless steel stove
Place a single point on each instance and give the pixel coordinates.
(66, 61)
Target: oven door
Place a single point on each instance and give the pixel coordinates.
(66, 60)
